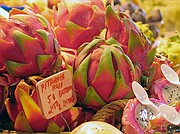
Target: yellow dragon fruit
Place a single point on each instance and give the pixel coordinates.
(76, 22)
(28, 45)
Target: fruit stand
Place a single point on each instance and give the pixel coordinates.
(86, 66)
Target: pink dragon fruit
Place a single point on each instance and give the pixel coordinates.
(136, 116)
(134, 43)
(28, 45)
(26, 115)
(78, 21)
(96, 73)
(103, 73)
(156, 68)
(68, 57)
(159, 124)
(163, 90)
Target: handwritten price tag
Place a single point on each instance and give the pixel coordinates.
(56, 93)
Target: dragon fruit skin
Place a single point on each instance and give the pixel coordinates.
(129, 121)
(159, 124)
(163, 90)
(103, 73)
(134, 43)
(68, 56)
(27, 42)
(78, 22)
(45, 11)
(1, 99)
(25, 112)
(26, 103)
(5, 81)
(156, 68)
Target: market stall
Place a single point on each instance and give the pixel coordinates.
(90, 66)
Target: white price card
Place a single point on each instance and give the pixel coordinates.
(56, 94)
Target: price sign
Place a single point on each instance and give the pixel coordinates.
(56, 93)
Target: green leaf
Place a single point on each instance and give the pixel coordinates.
(22, 39)
(121, 88)
(29, 106)
(119, 85)
(43, 21)
(14, 68)
(73, 29)
(134, 43)
(112, 18)
(92, 97)
(42, 59)
(150, 56)
(57, 46)
(53, 128)
(112, 41)
(44, 34)
(105, 64)
(86, 49)
(21, 123)
(129, 63)
(80, 74)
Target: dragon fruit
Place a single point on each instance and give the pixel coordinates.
(156, 72)
(103, 73)
(52, 3)
(5, 81)
(42, 4)
(136, 116)
(25, 112)
(68, 57)
(28, 45)
(163, 90)
(134, 43)
(76, 22)
(45, 11)
(99, 80)
(159, 124)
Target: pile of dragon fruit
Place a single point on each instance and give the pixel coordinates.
(105, 49)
